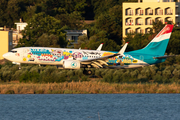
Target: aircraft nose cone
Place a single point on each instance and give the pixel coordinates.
(5, 55)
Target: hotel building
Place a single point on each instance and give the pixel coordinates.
(138, 16)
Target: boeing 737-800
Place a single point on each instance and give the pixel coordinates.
(153, 53)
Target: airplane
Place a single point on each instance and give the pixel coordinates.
(65, 58)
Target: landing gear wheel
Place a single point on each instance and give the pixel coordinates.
(89, 72)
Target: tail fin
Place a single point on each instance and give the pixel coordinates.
(159, 44)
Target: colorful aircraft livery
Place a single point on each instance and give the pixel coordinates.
(153, 53)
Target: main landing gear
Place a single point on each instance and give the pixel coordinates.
(87, 72)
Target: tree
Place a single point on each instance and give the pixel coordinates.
(48, 41)
(109, 25)
(12, 10)
(137, 41)
(82, 42)
(174, 43)
(41, 24)
(3, 6)
(157, 26)
(53, 7)
(102, 6)
(72, 20)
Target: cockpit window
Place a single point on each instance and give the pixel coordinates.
(14, 51)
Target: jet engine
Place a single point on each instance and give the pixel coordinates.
(71, 64)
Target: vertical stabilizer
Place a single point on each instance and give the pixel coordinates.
(159, 44)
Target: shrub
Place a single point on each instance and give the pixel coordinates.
(146, 72)
(176, 73)
(104, 72)
(8, 63)
(166, 73)
(6, 76)
(84, 78)
(142, 78)
(108, 78)
(134, 73)
(34, 68)
(158, 78)
(14, 68)
(70, 73)
(175, 79)
(17, 74)
(47, 75)
(126, 76)
(59, 76)
(117, 79)
(26, 68)
(153, 70)
(166, 80)
(5, 68)
(25, 77)
(98, 73)
(74, 78)
(9, 92)
(29, 77)
(79, 73)
(177, 59)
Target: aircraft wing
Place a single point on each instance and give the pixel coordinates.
(165, 56)
(99, 62)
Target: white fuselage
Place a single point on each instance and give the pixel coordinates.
(56, 56)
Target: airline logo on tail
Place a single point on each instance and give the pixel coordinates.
(164, 33)
(167, 29)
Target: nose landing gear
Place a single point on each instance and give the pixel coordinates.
(19, 66)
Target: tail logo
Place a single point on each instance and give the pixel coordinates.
(166, 30)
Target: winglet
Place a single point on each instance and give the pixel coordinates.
(100, 46)
(123, 49)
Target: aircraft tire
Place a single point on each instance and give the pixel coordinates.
(87, 72)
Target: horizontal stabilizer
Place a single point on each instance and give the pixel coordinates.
(165, 56)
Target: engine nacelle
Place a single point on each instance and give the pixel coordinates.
(71, 64)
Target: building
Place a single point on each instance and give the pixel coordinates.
(138, 16)
(74, 34)
(6, 41)
(17, 33)
(20, 25)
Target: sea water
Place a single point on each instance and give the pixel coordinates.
(90, 107)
